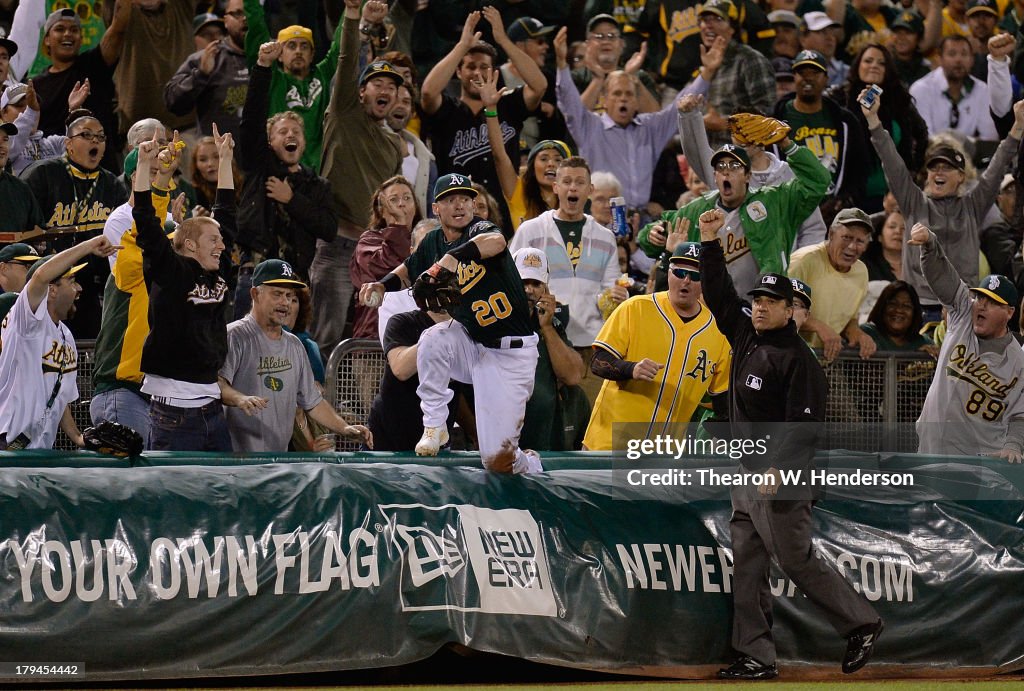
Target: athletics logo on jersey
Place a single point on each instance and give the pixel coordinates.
(754, 382)
(469, 559)
(273, 383)
(757, 212)
(701, 367)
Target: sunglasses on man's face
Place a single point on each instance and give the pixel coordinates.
(686, 273)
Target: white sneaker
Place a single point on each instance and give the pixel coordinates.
(432, 440)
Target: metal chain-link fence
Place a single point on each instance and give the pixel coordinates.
(872, 404)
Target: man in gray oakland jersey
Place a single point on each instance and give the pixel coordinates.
(975, 404)
(271, 363)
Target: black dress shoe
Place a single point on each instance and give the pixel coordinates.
(859, 646)
(748, 669)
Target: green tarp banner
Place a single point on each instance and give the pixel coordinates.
(194, 570)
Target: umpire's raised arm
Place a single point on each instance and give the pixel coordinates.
(719, 292)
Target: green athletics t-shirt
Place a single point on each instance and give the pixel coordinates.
(819, 132)
(572, 236)
(493, 303)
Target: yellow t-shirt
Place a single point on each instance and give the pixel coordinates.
(695, 355)
(836, 295)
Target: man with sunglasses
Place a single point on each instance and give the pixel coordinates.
(778, 395)
(659, 355)
(39, 361)
(760, 225)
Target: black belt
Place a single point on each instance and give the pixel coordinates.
(513, 343)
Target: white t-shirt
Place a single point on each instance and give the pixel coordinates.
(36, 353)
(117, 224)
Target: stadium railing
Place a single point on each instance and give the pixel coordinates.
(872, 403)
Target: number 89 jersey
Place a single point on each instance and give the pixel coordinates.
(493, 301)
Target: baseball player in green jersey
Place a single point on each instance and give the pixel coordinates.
(975, 404)
(465, 267)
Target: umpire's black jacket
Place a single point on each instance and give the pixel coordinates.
(775, 377)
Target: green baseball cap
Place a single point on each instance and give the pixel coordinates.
(275, 272)
(854, 216)
(453, 183)
(734, 152)
(999, 288)
(801, 290)
(723, 8)
(686, 253)
(19, 253)
(39, 262)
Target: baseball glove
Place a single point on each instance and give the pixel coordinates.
(749, 129)
(436, 289)
(114, 439)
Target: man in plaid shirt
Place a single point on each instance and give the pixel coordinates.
(733, 73)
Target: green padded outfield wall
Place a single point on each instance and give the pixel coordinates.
(207, 566)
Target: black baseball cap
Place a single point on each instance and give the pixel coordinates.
(911, 20)
(975, 6)
(949, 155)
(380, 68)
(7, 43)
(773, 285)
(783, 67)
(527, 27)
(204, 20)
(732, 151)
(275, 272)
(810, 58)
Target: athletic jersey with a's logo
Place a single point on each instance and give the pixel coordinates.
(493, 303)
(696, 357)
(36, 353)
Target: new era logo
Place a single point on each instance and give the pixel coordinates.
(470, 559)
(754, 382)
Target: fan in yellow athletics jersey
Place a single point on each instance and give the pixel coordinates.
(660, 354)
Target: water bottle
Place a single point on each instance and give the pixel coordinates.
(620, 226)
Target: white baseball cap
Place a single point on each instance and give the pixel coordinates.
(817, 21)
(532, 264)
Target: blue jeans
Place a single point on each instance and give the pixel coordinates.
(188, 429)
(123, 406)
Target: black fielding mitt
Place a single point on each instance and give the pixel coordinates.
(114, 439)
(436, 289)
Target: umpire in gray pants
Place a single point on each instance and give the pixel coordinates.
(777, 391)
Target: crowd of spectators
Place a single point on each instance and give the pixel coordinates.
(351, 117)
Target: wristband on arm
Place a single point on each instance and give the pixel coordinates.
(469, 252)
(391, 283)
